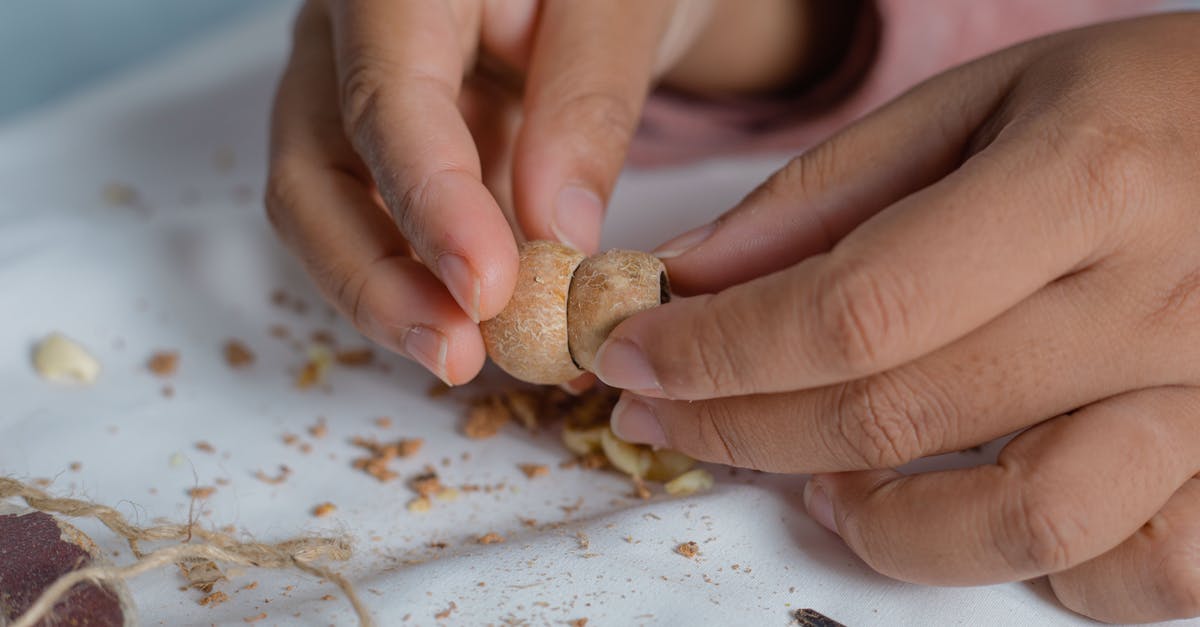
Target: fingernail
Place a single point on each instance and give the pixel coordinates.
(819, 507)
(428, 348)
(685, 242)
(578, 385)
(461, 281)
(578, 214)
(634, 421)
(621, 364)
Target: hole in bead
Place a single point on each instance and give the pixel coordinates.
(664, 289)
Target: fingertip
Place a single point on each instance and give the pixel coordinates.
(634, 420)
(819, 504)
(578, 218)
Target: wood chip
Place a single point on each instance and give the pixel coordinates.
(284, 473)
(579, 622)
(444, 614)
(420, 505)
(163, 363)
(426, 484)
(688, 549)
(486, 417)
(534, 470)
(355, 357)
(205, 447)
(214, 599)
(255, 618)
(324, 509)
(237, 354)
(201, 492)
(202, 575)
(490, 538)
(319, 430)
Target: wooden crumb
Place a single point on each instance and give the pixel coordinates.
(214, 599)
(447, 494)
(355, 357)
(324, 509)
(205, 447)
(528, 522)
(305, 448)
(380, 454)
(420, 505)
(383, 422)
(75, 466)
(688, 549)
(490, 537)
(250, 586)
(237, 354)
(203, 575)
(639, 488)
(534, 470)
(579, 622)
(593, 461)
(485, 418)
(319, 430)
(444, 614)
(284, 473)
(201, 492)
(290, 439)
(255, 618)
(329, 597)
(582, 539)
(279, 331)
(221, 481)
(163, 363)
(809, 617)
(438, 545)
(323, 336)
(426, 484)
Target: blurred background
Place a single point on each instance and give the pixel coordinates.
(50, 48)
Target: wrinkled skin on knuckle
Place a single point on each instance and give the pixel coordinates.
(704, 363)
(859, 315)
(1039, 531)
(713, 439)
(601, 123)
(877, 423)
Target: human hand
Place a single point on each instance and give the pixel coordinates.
(1010, 247)
(385, 131)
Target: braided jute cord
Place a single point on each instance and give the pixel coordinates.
(297, 553)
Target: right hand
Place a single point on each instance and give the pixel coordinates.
(384, 135)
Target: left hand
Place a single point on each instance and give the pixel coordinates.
(1014, 245)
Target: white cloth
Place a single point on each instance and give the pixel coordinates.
(195, 264)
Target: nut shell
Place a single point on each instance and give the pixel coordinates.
(607, 289)
(529, 338)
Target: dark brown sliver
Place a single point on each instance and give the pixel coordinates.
(33, 555)
(808, 617)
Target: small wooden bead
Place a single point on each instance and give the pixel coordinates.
(607, 289)
(528, 339)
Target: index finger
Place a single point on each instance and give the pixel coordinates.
(400, 68)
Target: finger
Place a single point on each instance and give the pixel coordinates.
(1152, 576)
(1032, 363)
(917, 276)
(590, 70)
(400, 67)
(318, 202)
(1060, 494)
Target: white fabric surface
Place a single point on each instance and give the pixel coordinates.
(196, 267)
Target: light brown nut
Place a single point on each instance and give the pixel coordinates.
(529, 338)
(607, 289)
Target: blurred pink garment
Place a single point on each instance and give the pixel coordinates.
(897, 44)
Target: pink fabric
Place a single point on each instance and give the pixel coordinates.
(898, 44)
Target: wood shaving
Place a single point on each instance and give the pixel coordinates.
(329, 597)
(237, 354)
(319, 430)
(201, 492)
(75, 466)
(690, 482)
(579, 622)
(534, 470)
(383, 422)
(214, 599)
(420, 505)
(250, 586)
(163, 363)
(380, 454)
(202, 575)
(284, 473)
(426, 484)
(205, 447)
(490, 538)
(324, 509)
(355, 357)
(255, 618)
(444, 614)
(485, 418)
(688, 549)
(312, 373)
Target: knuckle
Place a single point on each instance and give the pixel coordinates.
(1039, 533)
(860, 314)
(713, 366)
(713, 437)
(1113, 167)
(811, 171)
(601, 117)
(878, 422)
